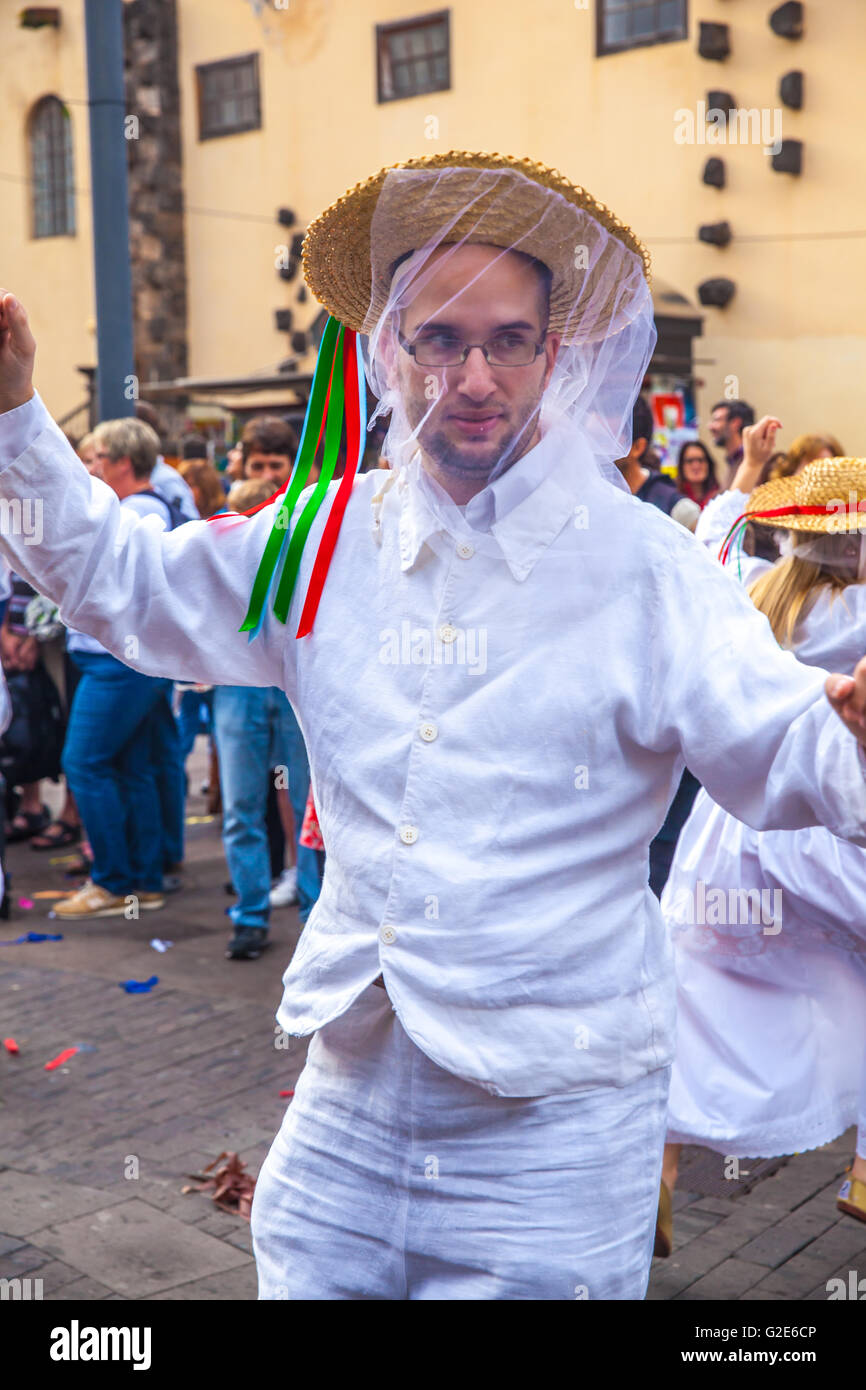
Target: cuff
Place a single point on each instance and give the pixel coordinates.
(21, 427)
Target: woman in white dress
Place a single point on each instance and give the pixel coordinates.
(769, 927)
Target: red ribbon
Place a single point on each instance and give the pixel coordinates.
(335, 516)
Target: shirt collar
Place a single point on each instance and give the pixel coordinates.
(517, 516)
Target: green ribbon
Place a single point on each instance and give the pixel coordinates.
(326, 365)
(333, 433)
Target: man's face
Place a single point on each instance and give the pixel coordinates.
(719, 424)
(116, 472)
(476, 294)
(274, 468)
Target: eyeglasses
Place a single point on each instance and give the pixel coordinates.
(511, 349)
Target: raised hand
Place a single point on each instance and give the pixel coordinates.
(17, 351)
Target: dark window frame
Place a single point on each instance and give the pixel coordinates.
(414, 22)
(641, 41)
(238, 127)
(52, 199)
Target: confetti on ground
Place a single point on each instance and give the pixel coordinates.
(11, 1045)
(64, 859)
(25, 902)
(232, 1187)
(159, 945)
(286, 1093)
(31, 936)
(84, 1047)
(139, 986)
(61, 1057)
(199, 820)
(53, 893)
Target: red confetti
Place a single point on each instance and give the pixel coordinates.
(61, 1057)
(287, 1093)
(11, 1045)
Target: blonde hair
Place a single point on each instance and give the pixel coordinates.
(786, 591)
(204, 479)
(802, 450)
(249, 492)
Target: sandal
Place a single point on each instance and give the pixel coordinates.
(25, 824)
(57, 835)
(82, 865)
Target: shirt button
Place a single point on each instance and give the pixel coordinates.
(388, 936)
(428, 732)
(465, 551)
(447, 633)
(409, 834)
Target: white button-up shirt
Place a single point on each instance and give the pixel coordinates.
(496, 875)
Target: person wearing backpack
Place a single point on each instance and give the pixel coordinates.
(109, 757)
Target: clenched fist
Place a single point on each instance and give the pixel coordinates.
(17, 351)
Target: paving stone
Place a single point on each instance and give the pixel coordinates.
(235, 1284)
(22, 1261)
(784, 1239)
(84, 1289)
(30, 1203)
(137, 1250)
(727, 1281)
(718, 1206)
(8, 1243)
(792, 1280)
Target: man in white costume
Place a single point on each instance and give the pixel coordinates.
(512, 660)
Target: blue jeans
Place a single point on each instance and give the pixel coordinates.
(170, 780)
(194, 717)
(256, 731)
(108, 764)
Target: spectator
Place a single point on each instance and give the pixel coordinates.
(234, 466)
(696, 474)
(728, 419)
(194, 447)
(268, 445)
(165, 479)
(109, 754)
(205, 484)
(256, 731)
(802, 450)
(644, 483)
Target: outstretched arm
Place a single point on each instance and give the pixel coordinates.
(166, 603)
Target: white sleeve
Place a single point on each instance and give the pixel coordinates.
(716, 520)
(752, 722)
(168, 603)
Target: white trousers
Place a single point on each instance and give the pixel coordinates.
(393, 1179)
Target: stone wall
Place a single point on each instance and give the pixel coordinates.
(156, 229)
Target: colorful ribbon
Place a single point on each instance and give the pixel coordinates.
(338, 390)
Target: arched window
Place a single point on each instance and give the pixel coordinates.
(51, 171)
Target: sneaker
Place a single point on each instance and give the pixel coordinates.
(91, 901)
(285, 890)
(247, 943)
(149, 901)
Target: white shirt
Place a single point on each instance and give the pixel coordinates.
(496, 722)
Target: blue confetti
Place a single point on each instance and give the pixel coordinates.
(139, 986)
(31, 936)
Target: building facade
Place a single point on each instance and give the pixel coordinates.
(726, 134)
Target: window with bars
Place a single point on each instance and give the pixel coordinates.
(414, 56)
(228, 96)
(631, 23)
(52, 175)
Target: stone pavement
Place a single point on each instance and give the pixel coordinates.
(93, 1156)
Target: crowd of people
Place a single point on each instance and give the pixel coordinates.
(121, 739)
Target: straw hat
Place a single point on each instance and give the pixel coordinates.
(829, 496)
(337, 251)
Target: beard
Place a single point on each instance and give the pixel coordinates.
(475, 461)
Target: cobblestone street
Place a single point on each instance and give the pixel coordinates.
(95, 1153)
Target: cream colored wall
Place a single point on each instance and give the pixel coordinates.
(53, 276)
(526, 81)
